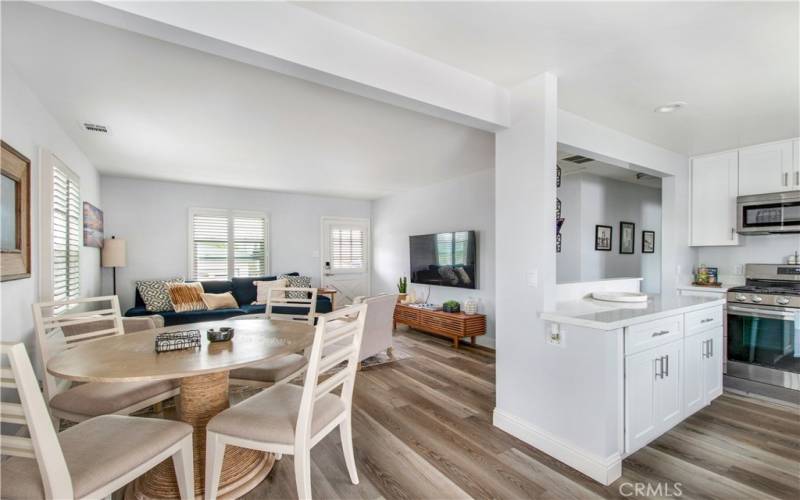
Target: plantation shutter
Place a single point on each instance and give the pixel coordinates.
(66, 236)
(347, 248)
(444, 249)
(209, 247)
(249, 249)
(226, 244)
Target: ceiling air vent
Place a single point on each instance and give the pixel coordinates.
(577, 159)
(94, 127)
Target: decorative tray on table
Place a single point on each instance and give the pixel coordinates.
(176, 341)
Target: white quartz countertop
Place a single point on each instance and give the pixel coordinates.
(718, 289)
(602, 315)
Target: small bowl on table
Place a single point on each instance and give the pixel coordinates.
(222, 335)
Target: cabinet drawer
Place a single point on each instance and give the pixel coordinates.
(703, 319)
(653, 333)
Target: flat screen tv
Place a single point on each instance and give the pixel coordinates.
(444, 259)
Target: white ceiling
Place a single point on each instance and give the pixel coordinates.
(602, 169)
(735, 63)
(184, 115)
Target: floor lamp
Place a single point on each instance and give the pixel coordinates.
(113, 256)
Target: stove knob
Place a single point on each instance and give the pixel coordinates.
(782, 301)
(741, 298)
(756, 299)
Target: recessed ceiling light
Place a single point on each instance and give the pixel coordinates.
(670, 107)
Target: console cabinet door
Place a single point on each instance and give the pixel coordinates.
(766, 168)
(640, 414)
(715, 185)
(694, 373)
(669, 388)
(712, 365)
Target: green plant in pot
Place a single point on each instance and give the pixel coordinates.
(402, 285)
(451, 306)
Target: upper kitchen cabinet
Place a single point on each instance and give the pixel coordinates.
(768, 168)
(715, 185)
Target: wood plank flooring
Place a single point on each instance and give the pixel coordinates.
(422, 429)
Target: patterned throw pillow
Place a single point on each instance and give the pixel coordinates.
(186, 296)
(297, 282)
(155, 294)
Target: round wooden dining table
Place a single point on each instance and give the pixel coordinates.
(203, 374)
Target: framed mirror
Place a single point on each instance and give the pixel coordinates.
(15, 215)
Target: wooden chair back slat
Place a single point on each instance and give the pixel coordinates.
(11, 413)
(306, 307)
(50, 325)
(43, 445)
(340, 324)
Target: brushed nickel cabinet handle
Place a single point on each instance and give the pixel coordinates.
(786, 178)
(667, 370)
(710, 348)
(797, 178)
(658, 334)
(707, 320)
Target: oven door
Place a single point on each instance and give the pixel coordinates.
(763, 344)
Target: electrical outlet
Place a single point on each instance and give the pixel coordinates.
(556, 335)
(738, 269)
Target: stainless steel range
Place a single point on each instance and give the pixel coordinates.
(764, 326)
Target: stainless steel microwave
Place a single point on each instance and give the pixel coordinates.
(768, 213)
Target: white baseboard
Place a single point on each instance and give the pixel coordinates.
(485, 341)
(601, 469)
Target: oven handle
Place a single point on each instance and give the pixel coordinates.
(760, 313)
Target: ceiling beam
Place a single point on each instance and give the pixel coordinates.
(294, 41)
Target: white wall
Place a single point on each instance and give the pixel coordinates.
(153, 217)
(607, 144)
(464, 203)
(760, 249)
(588, 200)
(27, 127)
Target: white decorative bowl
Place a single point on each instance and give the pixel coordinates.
(620, 296)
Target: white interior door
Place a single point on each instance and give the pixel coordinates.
(345, 257)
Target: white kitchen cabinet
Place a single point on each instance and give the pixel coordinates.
(694, 396)
(715, 185)
(767, 168)
(653, 393)
(703, 352)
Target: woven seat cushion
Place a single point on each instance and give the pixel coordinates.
(271, 416)
(271, 370)
(96, 398)
(97, 452)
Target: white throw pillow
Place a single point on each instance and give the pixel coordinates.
(263, 288)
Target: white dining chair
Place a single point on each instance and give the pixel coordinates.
(290, 419)
(88, 320)
(285, 369)
(89, 460)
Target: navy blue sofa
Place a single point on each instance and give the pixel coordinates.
(243, 291)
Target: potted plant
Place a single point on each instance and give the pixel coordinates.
(451, 306)
(402, 288)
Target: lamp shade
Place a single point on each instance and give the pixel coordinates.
(113, 254)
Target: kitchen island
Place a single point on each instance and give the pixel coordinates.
(619, 375)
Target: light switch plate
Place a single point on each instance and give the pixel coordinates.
(533, 278)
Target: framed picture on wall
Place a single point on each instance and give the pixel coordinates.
(15, 213)
(602, 238)
(627, 237)
(648, 242)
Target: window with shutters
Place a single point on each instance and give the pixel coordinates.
(227, 243)
(66, 235)
(451, 248)
(347, 248)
